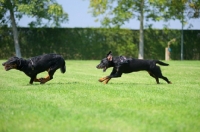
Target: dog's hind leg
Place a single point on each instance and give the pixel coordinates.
(48, 77)
(157, 73)
(51, 72)
(166, 79)
(152, 75)
(44, 80)
(36, 80)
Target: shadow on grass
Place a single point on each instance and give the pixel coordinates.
(154, 84)
(47, 84)
(111, 83)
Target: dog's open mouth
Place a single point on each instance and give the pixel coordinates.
(104, 68)
(8, 67)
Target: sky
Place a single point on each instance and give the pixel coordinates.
(79, 16)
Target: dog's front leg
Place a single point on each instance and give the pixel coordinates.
(117, 74)
(103, 79)
(107, 78)
(112, 76)
(31, 80)
(34, 79)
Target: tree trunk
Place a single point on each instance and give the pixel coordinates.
(141, 39)
(15, 32)
(182, 37)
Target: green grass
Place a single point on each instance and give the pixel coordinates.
(76, 101)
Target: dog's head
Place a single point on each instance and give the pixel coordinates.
(106, 62)
(11, 63)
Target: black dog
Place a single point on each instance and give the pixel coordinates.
(31, 67)
(122, 64)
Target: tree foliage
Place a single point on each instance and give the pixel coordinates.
(177, 9)
(114, 13)
(13, 10)
(41, 10)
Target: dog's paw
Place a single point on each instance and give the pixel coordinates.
(102, 79)
(106, 81)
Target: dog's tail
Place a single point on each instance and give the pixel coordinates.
(161, 63)
(63, 68)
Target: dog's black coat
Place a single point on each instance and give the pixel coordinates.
(35, 65)
(122, 65)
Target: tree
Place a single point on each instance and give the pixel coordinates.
(115, 13)
(13, 10)
(194, 8)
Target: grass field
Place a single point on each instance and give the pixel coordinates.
(76, 101)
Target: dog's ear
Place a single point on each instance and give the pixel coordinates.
(109, 53)
(109, 56)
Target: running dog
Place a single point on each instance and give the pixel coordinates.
(122, 65)
(35, 65)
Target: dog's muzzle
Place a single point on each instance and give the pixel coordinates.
(101, 67)
(8, 66)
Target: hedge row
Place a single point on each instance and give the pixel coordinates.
(94, 43)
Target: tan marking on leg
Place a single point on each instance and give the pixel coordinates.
(44, 80)
(107, 80)
(36, 80)
(103, 79)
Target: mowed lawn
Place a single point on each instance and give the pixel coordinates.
(76, 101)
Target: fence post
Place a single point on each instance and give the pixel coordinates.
(167, 54)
